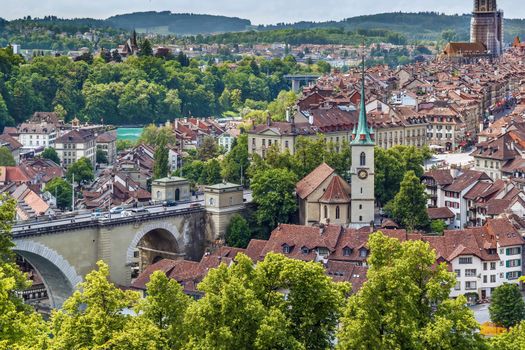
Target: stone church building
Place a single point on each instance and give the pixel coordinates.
(325, 197)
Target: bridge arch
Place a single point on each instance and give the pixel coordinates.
(161, 236)
(59, 276)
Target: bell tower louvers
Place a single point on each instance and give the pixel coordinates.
(362, 173)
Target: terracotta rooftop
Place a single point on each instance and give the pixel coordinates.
(336, 192)
(313, 180)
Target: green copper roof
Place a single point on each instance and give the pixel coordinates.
(362, 135)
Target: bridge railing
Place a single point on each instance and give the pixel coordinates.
(32, 230)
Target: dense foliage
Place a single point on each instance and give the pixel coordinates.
(507, 308)
(140, 90)
(405, 303)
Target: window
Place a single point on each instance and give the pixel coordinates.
(323, 251)
(484, 278)
(470, 285)
(513, 275)
(362, 159)
(493, 266)
(286, 144)
(465, 260)
(457, 286)
(514, 263)
(363, 253)
(347, 251)
(458, 273)
(514, 251)
(492, 278)
(337, 212)
(325, 211)
(286, 249)
(305, 250)
(470, 273)
(360, 206)
(360, 219)
(485, 266)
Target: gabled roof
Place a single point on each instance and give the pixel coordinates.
(313, 180)
(466, 179)
(336, 192)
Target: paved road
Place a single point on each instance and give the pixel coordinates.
(87, 216)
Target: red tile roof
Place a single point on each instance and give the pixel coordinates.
(336, 192)
(313, 180)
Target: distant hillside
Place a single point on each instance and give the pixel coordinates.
(182, 24)
(421, 26)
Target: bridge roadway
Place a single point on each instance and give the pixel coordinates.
(85, 219)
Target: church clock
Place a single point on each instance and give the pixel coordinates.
(362, 174)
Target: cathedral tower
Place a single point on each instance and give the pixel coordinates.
(362, 174)
(487, 26)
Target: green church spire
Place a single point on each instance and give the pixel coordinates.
(363, 135)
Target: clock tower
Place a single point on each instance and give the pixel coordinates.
(362, 173)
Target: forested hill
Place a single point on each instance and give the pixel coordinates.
(421, 25)
(178, 23)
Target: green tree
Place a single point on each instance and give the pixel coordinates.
(236, 162)
(208, 149)
(165, 305)
(409, 206)
(512, 340)
(507, 308)
(405, 303)
(101, 157)
(153, 135)
(20, 326)
(161, 160)
(238, 232)
(145, 48)
(92, 317)
(245, 308)
(82, 170)
(6, 157)
(273, 192)
(438, 226)
(123, 145)
(285, 101)
(62, 191)
(51, 154)
(211, 173)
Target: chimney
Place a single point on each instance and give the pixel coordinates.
(268, 119)
(321, 229)
(288, 115)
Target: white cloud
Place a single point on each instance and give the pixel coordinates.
(258, 11)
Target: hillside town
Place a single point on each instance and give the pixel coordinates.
(305, 208)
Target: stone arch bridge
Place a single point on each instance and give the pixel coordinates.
(65, 250)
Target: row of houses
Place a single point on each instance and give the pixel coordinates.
(482, 258)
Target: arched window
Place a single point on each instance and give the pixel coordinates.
(325, 211)
(337, 212)
(362, 159)
(158, 194)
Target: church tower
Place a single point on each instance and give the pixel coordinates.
(486, 26)
(362, 174)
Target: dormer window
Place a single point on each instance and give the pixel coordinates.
(323, 251)
(363, 253)
(286, 249)
(305, 250)
(347, 251)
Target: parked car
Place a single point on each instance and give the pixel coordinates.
(116, 210)
(126, 213)
(169, 203)
(195, 205)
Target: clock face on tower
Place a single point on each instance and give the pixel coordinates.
(362, 174)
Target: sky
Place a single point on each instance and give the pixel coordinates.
(258, 11)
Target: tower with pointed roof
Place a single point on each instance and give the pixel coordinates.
(362, 174)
